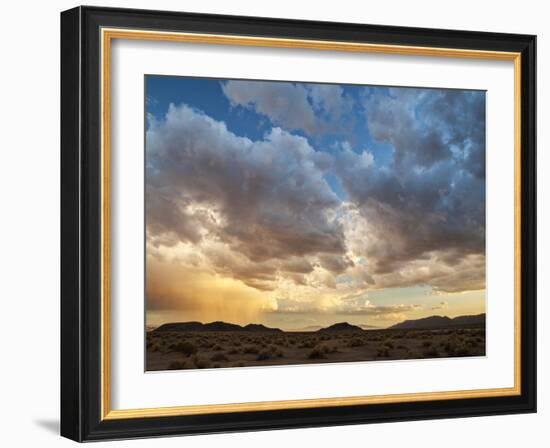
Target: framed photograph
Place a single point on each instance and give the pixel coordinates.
(277, 224)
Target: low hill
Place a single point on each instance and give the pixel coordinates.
(341, 326)
(478, 319)
(214, 326)
(259, 328)
(433, 322)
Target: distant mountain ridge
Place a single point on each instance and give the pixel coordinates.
(426, 323)
(313, 328)
(215, 326)
(432, 322)
(260, 328)
(340, 326)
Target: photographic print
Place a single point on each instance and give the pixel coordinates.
(296, 223)
(285, 202)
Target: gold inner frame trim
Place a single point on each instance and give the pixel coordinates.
(107, 35)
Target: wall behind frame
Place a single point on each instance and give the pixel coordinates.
(29, 228)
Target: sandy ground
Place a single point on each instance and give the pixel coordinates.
(202, 350)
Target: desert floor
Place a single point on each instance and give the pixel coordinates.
(205, 350)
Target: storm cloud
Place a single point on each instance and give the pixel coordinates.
(266, 201)
(427, 208)
(298, 224)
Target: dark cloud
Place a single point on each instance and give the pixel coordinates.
(426, 126)
(169, 218)
(430, 201)
(266, 201)
(261, 212)
(335, 263)
(417, 213)
(297, 266)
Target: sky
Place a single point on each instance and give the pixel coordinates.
(299, 205)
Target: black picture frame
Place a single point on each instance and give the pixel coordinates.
(81, 224)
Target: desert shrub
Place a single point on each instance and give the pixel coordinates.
(186, 347)
(275, 351)
(283, 343)
(389, 344)
(309, 343)
(431, 353)
(201, 363)
(456, 347)
(383, 352)
(316, 354)
(251, 350)
(319, 352)
(233, 351)
(218, 357)
(355, 342)
(176, 365)
(462, 351)
(263, 355)
(449, 346)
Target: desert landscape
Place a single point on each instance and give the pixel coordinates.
(193, 345)
(291, 222)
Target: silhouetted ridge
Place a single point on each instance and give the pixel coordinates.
(478, 319)
(214, 326)
(428, 323)
(261, 328)
(341, 326)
